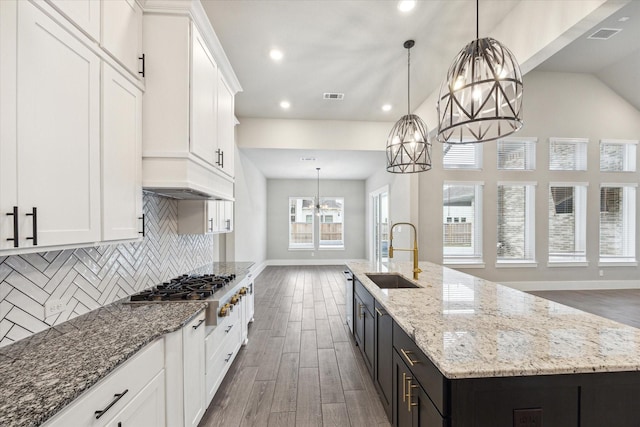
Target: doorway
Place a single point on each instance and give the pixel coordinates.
(380, 225)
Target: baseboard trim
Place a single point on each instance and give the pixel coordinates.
(256, 269)
(574, 285)
(296, 262)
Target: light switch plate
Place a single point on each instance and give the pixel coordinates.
(54, 306)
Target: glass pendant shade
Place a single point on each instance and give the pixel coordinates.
(481, 98)
(408, 145)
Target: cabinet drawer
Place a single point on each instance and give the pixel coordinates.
(365, 296)
(222, 355)
(132, 376)
(214, 340)
(433, 382)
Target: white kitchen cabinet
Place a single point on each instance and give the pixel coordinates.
(222, 346)
(135, 386)
(85, 14)
(122, 32)
(204, 77)
(183, 96)
(146, 409)
(226, 125)
(50, 151)
(205, 216)
(185, 366)
(121, 157)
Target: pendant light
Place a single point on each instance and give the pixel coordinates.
(481, 98)
(408, 145)
(318, 194)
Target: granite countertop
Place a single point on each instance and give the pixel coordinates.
(473, 328)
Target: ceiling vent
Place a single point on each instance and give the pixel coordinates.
(604, 33)
(337, 96)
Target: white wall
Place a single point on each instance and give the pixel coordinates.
(555, 105)
(400, 186)
(278, 193)
(248, 242)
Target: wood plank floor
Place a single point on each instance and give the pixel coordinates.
(620, 305)
(300, 367)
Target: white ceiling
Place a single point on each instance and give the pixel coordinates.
(355, 48)
(346, 46)
(287, 164)
(615, 61)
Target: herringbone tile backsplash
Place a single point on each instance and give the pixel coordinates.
(88, 278)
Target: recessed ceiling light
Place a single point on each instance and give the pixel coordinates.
(406, 5)
(386, 107)
(285, 105)
(623, 19)
(276, 54)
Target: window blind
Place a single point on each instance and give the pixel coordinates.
(567, 154)
(462, 156)
(516, 154)
(567, 223)
(462, 221)
(618, 156)
(617, 223)
(516, 232)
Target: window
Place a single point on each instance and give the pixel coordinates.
(303, 220)
(331, 223)
(618, 156)
(462, 156)
(301, 223)
(516, 225)
(567, 223)
(617, 223)
(462, 240)
(568, 154)
(517, 154)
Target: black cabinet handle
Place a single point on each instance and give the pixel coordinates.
(34, 214)
(116, 397)
(15, 226)
(222, 163)
(198, 325)
(142, 218)
(218, 151)
(211, 225)
(228, 357)
(228, 329)
(228, 225)
(143, 61)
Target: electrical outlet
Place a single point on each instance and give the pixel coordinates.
(527, 417)
(601, 272)
(312, 254)
(54, 306)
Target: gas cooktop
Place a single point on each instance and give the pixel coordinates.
(185, 288)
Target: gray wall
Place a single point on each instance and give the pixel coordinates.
(248, 242)
(88, 278)
(278, 193)
(555, 105)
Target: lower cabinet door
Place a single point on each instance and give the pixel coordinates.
(358, 320)
(384, 357)
(193, 335)
(402, 416)
(424, 413)
(369, 339)
(146, 409)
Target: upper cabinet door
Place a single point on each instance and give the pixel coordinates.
(204, 75)
(122, 32)
(226, 124)
(58, 133)
(84, 13)
(121, 157)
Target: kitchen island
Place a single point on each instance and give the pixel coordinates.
(488, 355)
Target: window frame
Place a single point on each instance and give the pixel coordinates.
(475, 260)
(319, 244)
(302, 247)
(478, 152)
(580, 195)
(530, 225)
(581, 160)
(530, 153)
(629, 204)
(631, 159)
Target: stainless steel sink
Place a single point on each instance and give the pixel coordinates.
(391, 281)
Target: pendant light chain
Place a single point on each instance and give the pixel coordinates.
(477, 19)
(409, 81)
